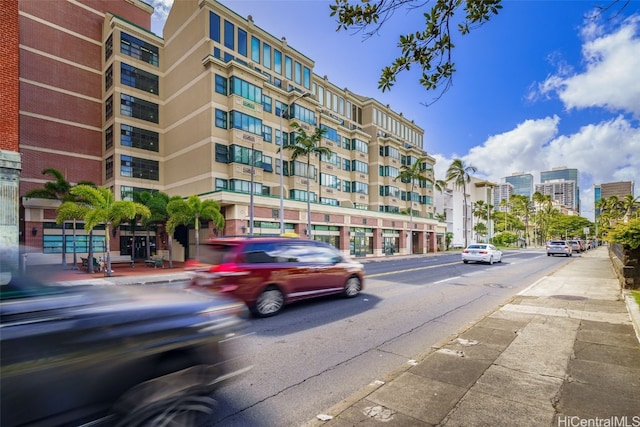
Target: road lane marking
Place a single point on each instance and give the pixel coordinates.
(444, 280)
(411, 269)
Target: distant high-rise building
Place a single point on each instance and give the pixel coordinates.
(561, 191)
(619, 189)
(522, 183)
(502, 191)
(565, 174)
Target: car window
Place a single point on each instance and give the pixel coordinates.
(476, 246)
(217, 253)
(260, 253)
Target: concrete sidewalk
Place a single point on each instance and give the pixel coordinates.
(563, 352)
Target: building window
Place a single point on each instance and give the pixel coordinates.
(330, 181)
(139, 79)
(304, 114)
(300, 169)
(358, 166)
(242, 42)
(359, 187)
(108, 78)
(131, 136)
(139, 49)
(306, 78)
(136, 167)
(267, 133)
(108, 47)
(221, 119)
(240, 154)
(277, 61)
(229, 40)
(331, 134)
(222, 153)
(267, 163)
(246, 122)
(297, 75)
(266, 55)
(288, 67)
(245, 89)
(221, 84)
(242, 186)
(108, 138)
(360, 146)
(108, 168)
(266, 104)
(214, 27)
(127, 192)
(327, 201)
(138, 108)
(301, 195)
(221, 184)
(255, 49)
(108, 108)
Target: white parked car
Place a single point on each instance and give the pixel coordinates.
(481, 252)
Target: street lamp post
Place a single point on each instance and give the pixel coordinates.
(304, 95)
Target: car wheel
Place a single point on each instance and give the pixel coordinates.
(269, 303)
(352, 287)
(491, 261)
(465, 261)
(548, 254)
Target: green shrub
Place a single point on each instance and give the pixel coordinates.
(627, 234)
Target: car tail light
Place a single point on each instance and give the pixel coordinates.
(465, 251)
(228, 269)
(483, 252)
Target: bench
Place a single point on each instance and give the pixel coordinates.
(121, 259)
(154, 262)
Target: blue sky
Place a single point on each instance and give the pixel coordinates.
(539, 86)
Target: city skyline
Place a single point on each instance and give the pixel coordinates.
(561, 95)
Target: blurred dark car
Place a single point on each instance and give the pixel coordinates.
(120, 355)
(269, 272)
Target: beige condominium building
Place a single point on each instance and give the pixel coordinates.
(204, 111)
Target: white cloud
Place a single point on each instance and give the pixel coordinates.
(603, 152)
(610, 79)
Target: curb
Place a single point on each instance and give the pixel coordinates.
(634, 311)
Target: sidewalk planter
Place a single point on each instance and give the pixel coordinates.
(626, 262)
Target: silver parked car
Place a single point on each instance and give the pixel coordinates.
(559, 247)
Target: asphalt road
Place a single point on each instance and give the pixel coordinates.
(314, 354)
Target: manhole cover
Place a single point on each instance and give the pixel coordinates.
(569, 297)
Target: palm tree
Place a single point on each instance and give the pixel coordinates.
(190, 212)
(411, 175)
(629, 204)
(73, 211)
(306, 145)
(479, 211)
(460, 175)
(59, 190)
(102, 208)
(159, 216)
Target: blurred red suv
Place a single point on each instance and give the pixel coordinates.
(269, 272)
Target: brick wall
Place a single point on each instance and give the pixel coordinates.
(9, 52)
